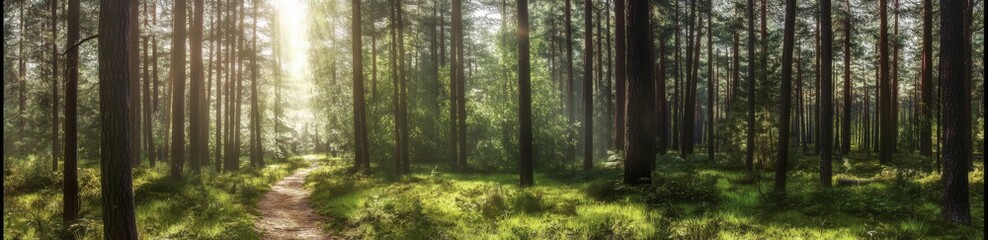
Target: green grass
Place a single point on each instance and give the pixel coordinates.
(688, 199)
(211, 206)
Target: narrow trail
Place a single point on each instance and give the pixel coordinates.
(285, 211)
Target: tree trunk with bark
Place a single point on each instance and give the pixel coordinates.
(640, 147)
(116, 189)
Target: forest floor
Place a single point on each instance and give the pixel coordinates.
(285, 211)
(208, 206)
(690, 198)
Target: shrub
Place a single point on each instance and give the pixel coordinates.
(682, 188)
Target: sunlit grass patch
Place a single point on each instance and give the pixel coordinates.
(208, 206)
(688, 199)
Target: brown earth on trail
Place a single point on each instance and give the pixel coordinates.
(285, 211)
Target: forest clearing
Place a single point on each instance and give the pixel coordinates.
(487, 119)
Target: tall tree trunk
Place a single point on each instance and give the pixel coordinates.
(826, 94)
(146, 117)
(677, 84)
(692, 68)
(662, 107)
(54, 84)
(196, 91)
(886, 121)
(587, 85)
(21, 75)
(256, 150)
(926, 82)
(460, 85)
(219, 42)
(116, 188)
(403, 95)
(620, 72)
(161, 149)
(524, 98)
(640, 147)
(894, 74)
(178, 89)
(956, 121)
(570, 99)
(785, 99)
(70, 187)
(711, 88)
(750, 146)
(134, 93)
(848, 97)
(453, 74)
(360, 118)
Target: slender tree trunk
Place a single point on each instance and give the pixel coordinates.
(70, 187)
(662, 107)
(848, 97)
(146, 117)
(134, 93)
(956, 121)
(54, 86)
(677, 84)
(750, 146)
(640, 147)
(453, 99)
(218, 141)
(524, 98)
(461, 82)
(587, 85)
(196, 91)
(926, 84)
(570, 99)
(886, 121)
(826, 94)
(256, 150)
(711, 88)
(116, 188)
(178, 89)
(785, 99)
(360, 118)
(894, 74)
(692, 68)
(620, 71)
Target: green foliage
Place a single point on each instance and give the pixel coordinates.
(209, 206)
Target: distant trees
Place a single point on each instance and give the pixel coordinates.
(115, 151)
(524, 98)
(954, 111)
(640, 143)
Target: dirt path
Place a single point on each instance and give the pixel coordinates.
(285, 211)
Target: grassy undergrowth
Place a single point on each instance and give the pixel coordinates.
(210, 206)
(688, 199)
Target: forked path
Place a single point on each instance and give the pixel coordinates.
(285, 211)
